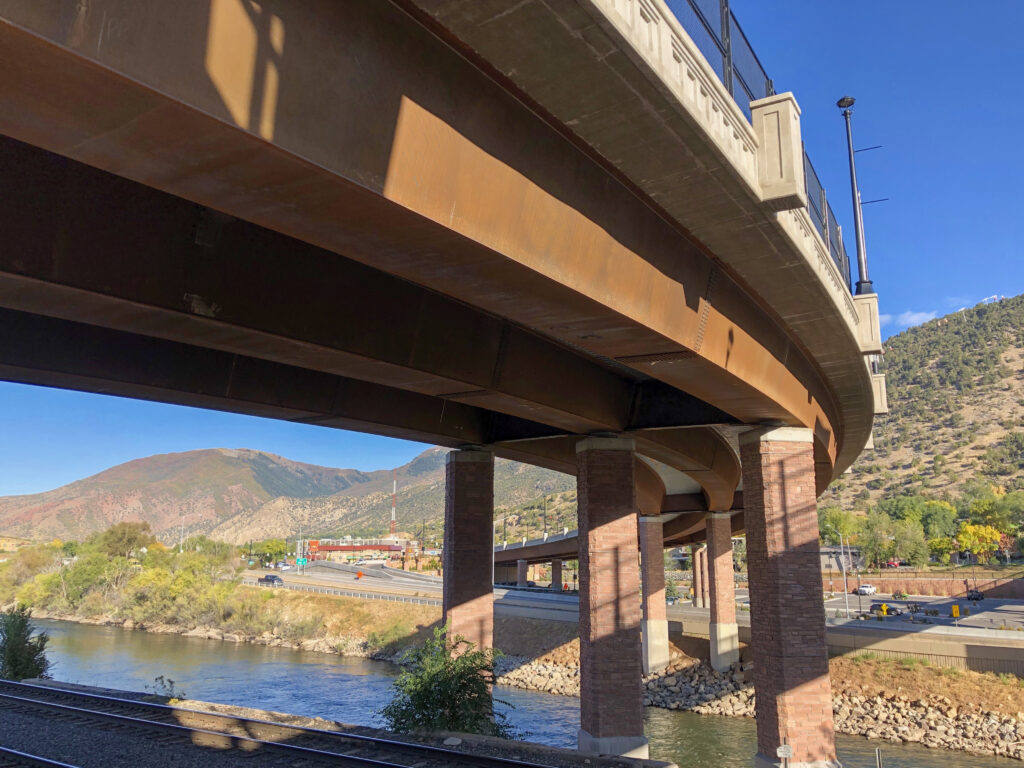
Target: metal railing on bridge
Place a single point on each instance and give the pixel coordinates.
(342, 592)
(718, 35)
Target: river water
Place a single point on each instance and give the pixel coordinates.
(352, 690)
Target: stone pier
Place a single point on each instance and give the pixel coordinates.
(655, 647)
(697, 584)
(794, 694)
(468, 603)
(522, 573)
(723, 632)
(611, 704)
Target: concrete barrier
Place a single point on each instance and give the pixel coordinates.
(980, 650)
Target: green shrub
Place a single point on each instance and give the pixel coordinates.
(671, 590)
(22, 655)
(446, 686)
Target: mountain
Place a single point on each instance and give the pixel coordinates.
(238, 495)
(420, 503)
(956, 398)
(956, 394)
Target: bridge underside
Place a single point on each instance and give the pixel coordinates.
(330, 213)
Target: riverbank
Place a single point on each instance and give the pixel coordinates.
(902, 702)
(935, 707)
(296, 620)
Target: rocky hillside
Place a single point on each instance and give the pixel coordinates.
(420, 503)
(956, 392)
(238, 495)
(956, 398)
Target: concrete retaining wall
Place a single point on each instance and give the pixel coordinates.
(980, 650)
(1012, 589)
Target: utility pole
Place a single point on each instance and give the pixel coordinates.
(394, 494)
(842, 563)
(545, 515)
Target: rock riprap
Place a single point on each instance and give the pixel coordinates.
(693, 686)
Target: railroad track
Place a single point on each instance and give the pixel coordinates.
(12, 758)
(281, 744)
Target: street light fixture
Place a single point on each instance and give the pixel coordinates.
(842, 562)
(864, 285)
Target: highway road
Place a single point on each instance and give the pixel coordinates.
(989, 614)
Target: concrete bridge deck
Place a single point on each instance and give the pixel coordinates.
(548, 232)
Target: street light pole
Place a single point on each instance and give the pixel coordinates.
(842, 563)
(864, 285)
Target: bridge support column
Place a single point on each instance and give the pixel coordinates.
(794, 694)
(522, 573)
(468, 547)
(695, 581)
(556, 575)
(611, 704)
(724, 635)
(705, 583)
(655, 650)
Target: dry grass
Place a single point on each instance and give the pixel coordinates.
(865, 675)
(388, 623)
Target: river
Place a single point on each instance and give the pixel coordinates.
(352, 690)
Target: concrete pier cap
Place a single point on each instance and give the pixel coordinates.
(776, 434)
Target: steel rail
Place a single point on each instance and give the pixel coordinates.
(24, 758)
(184, 730)
(420, 750)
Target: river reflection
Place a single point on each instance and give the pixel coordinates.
(352, 690)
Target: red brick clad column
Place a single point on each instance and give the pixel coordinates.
(698, 586)
(556, 575)
(724, 635)
(787, 613)
(611, 706)
(655, 651)
(705, 584)
(522, 573)
(468, 548)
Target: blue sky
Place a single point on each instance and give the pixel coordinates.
(935, 84)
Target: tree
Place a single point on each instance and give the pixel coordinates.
(22, 655)
(875, 537)
(832, 519)
(272, 549)
(938, 519)
(976, 498)
(125, 539)
(907, 507)
(446, 686)
(908, 543)
(671, 590)
(1007, 512)
(980, 540)
(1007, 544)
(941, 548)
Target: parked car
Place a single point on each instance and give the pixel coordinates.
(866, 589)
(270, 580)
(975, 595)
(892, 564)
(890, 609)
